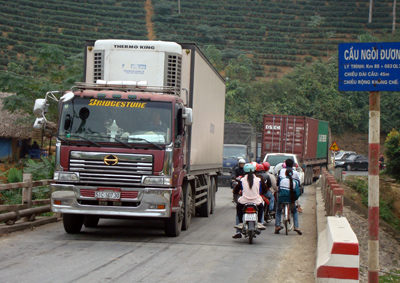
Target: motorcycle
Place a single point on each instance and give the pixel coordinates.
(250, 221)
(382, 165)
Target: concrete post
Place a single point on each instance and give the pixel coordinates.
(27, 192)
(373, 187)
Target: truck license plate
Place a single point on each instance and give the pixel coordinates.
(107, 195)
(250, 217)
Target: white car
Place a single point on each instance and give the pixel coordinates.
(275, 159)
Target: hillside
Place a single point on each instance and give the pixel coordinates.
(276, 34)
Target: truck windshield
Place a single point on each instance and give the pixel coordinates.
(234, 151)
(273, 160)
(116, 121)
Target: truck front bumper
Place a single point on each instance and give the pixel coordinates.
(149, 202)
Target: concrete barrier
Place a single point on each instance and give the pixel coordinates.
(338, 252)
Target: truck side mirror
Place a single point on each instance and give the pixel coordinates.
(67, 97)
(39, 123)
(188, 116)
(40, 107)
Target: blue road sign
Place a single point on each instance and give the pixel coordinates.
(369, 66)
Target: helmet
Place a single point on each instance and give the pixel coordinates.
(266, 166)
(241, 160)
(248, 167)
(259, 167)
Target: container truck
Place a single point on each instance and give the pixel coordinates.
(305, 137)
(239, 141)
(141, 137)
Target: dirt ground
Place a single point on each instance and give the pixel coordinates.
(298, 264)
(356, 142)
(389, 248)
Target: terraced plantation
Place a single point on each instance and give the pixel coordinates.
(24, 24)
(277, 34)
(280, 33)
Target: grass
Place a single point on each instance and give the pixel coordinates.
(390, 277)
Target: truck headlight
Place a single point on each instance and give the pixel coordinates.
(339, 163)
(156, 181)
(66, 176)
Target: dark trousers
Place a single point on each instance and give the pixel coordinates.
(239, 211)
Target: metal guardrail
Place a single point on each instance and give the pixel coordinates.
(14, 212)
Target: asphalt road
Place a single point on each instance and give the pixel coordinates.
(138, 251)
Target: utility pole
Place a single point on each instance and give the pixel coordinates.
(394, 16)
(373, 186)
(179, 6)
(370, 11)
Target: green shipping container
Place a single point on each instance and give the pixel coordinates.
(322, 144)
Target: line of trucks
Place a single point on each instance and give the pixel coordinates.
(139, 138)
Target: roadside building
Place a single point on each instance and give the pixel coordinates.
(14, 136)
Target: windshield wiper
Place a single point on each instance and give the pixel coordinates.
(152, 143)
(60, 138)
(118, 140)
(89, 140)
(124, 143)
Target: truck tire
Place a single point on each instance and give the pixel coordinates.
(188, 206)
(205, 207)
(310, 175)
(306, 172)
(348, 167)
(72, 223)
(91, 221)
(173, 225)
(213, 196)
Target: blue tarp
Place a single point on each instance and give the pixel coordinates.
(5, 148)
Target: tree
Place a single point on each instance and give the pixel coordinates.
(240, 68)
(316, 21)
(215, 56)
(54, 72)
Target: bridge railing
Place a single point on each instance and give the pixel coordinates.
(29, 208)
(333, 194)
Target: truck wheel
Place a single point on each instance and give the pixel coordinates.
(348, 167)
(306, 173)
(173, 225)
(90, 221)
(188, 206)
(310, 175)
(72, 223)
(213, 199)
(205, 207)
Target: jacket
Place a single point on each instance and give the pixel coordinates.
(284, 190)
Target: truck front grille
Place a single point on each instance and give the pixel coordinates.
(127, 172)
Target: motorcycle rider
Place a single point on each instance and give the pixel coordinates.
(251, 187)
(289, 192)
(238, 171)
(272, 189)
(282, 174)
(381, 162)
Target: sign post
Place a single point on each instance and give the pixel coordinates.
(372, 67)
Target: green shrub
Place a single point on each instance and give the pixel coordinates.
(392, 153)
(40, 170)
(308, 59)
